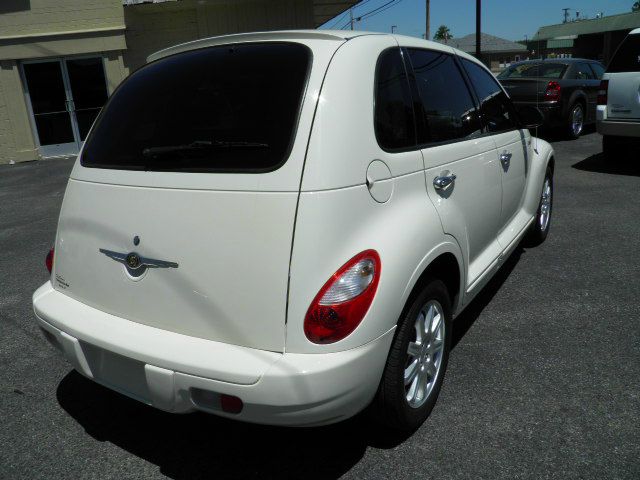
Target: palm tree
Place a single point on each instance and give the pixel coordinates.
(443, 33)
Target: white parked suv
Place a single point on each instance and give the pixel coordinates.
(618, 111)
(281, 227)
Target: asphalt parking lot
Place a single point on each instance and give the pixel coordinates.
(544, 380)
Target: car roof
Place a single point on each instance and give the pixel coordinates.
(566, 61)
(284, 35)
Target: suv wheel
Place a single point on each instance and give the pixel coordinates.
(576, 120)
(540, 229)
(417, 361)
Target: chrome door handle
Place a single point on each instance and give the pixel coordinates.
(443, 182)
(505, 159)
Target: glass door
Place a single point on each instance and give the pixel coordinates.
(51, 113)
(65, 97)
(88, 91)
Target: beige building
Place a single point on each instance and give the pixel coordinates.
(60, 59)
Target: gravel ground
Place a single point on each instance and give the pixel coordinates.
(543, 381)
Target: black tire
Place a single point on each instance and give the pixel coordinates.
(571, 132)
(390, 406)
(539, 230)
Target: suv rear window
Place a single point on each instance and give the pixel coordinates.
(627, 57)
(227, 108)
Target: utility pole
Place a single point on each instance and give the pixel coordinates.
(428, 30)
(478, 16)
(351, 15)
(566, 14)
(393, 28)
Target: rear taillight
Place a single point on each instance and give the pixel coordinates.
(49, 260)
(552, 92)
(602, 92)
(344, 300)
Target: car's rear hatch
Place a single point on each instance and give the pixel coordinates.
(525, 89)
(623, 75)
(192, 174)
(527, 82)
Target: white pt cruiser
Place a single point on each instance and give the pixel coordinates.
(281, 227)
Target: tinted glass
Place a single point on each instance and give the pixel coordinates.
(627, 57)
(598, 70)
(447, 106)
(496, 108)
(229, 108)
(534, 70)
(581, 71)
(394, 121)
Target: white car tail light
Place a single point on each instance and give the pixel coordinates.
(344, 300)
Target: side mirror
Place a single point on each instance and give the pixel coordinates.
(530, 116)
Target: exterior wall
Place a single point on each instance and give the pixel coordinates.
(24, 17)
(152, 27)
(45, 28)
(16, 139)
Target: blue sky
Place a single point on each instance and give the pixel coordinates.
(510, 19)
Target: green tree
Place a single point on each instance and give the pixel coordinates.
(636, 7)
(443, 33)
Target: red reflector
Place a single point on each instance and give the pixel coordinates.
(230, 404)
(49, 260)
(553, 91)
(602, 92)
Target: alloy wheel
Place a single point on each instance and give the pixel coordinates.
(424, 354)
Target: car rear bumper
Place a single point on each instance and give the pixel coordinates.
(620, 128)
(553, 112)
(178, 373)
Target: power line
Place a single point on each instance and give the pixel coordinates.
(375, 11)
(339, 18)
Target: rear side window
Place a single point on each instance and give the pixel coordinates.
(534, 70)
(393, 118)
(447, 105)
(581, 71)
(627, 57)
(228, 108)
(496, 108)
(598, 70)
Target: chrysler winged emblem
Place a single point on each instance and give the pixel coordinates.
(134, 261)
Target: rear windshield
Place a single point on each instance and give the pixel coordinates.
(534, 70)
(226, 108)
(627, 57)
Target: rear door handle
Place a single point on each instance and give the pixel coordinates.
(443, 182)
(505, 159)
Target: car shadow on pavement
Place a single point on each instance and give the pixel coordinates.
(599, 164)
(466, 319)
(198, 445)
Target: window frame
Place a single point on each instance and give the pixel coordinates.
(212, 170)
(472, 94)
(482, 119)
(408, 148)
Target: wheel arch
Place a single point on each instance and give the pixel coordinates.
(443, 263)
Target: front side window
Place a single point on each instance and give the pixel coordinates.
(394, 119)
(225, 108)
(447, 105)
(497, 111)
(627, 57)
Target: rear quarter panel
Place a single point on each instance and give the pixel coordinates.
(338, 218)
